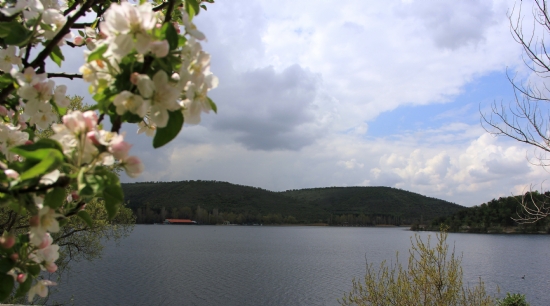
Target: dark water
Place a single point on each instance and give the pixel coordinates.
(240, 265)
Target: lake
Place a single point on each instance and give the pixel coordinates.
(283, 265)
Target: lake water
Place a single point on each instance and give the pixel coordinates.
(253, 265)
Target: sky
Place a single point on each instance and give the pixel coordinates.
(318, 93)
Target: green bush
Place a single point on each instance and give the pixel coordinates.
(432, 277)
(514, 299)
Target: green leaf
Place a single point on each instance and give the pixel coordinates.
(213, 105)
(97, 53)
(52, 160)
(6, 286)
(24, 287)
(83, 188)
(85, 217)
(171, 35)
(40, 144)
(113, 195)
(204, 7)
(57, 56)
(81, 33)
(63, 222)
(34, 270)
(192, 8)
(170, 131)
(55, 197)
(6, 264)
(5, 80)
(14, 33)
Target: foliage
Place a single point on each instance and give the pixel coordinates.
(514, 299)
(243, 204)
(57, 163)
(432, 277)
(494, 216)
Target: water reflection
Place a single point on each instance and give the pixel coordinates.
(234, 265)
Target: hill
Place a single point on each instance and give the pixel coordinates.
(215, 202)
(495, 216)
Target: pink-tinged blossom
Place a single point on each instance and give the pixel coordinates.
(10, 173)
(3, 111)
(21, 278)
(119, 148)
(74, 121)
(90, 119)
(39, 92)
(79, 40)
(40, 289)
(133, 166)
(7, 242)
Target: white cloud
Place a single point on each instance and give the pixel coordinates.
(300, 81)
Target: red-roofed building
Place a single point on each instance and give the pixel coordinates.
(180, 221)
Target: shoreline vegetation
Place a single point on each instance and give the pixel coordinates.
(214, 202)
(498, 216)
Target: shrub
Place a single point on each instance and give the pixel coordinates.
(432, 277)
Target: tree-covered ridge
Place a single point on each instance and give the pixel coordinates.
(495, 216)
(216, 202)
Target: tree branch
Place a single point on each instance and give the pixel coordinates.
(65, 75)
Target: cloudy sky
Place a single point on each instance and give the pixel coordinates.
(317, 93)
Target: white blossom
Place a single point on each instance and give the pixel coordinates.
(8, 58)
(40, 289)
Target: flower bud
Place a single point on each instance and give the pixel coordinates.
(29, 142)
(47, 240)
(11, 174)
(133, 166)
(14, 257)
(134, 78)
(51, 267)
(79, 40)
(91, 135)
(90, 119)
(7, 242)
(21, 278)
(75, 196)
(3, 111)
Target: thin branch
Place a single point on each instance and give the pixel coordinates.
(169, 10)
(160, 7)
(71, 233)
(65, 75)
(81, 25)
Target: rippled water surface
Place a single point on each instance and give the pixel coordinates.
(262, 265)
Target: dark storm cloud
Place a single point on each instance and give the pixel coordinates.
(268, 109)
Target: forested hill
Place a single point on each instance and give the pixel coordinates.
(216, 202)
(496, 216)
